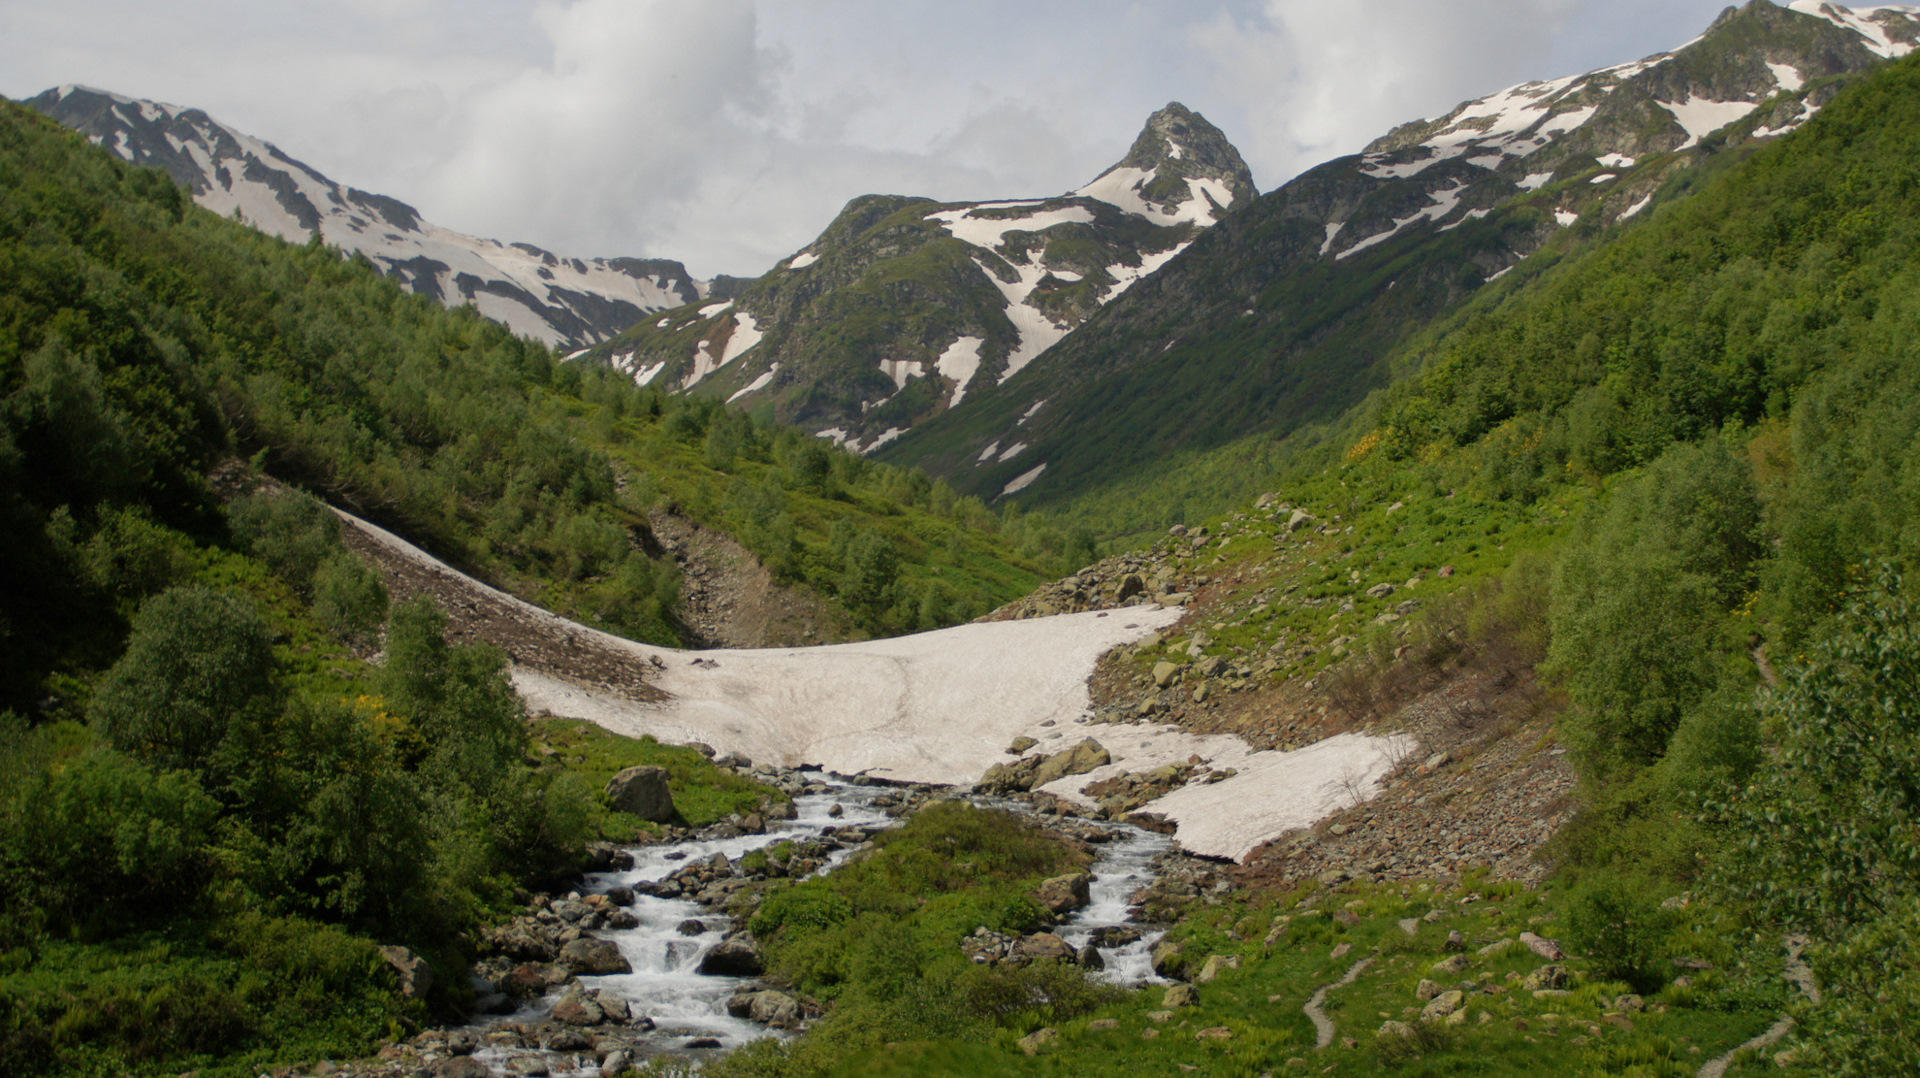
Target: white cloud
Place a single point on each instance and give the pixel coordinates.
(1317, 82)
(639, 103)
(726, 133)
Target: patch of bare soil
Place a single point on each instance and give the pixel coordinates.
(1487, 786)
(729, 600)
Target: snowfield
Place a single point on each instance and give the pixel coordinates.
(942, 707)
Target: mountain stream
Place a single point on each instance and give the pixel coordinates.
(688, 1009)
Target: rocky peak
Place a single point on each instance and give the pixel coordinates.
(1181, 168)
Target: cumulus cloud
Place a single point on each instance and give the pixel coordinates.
(1315, 81)
(638, 104)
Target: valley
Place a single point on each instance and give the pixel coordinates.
(1445, 615)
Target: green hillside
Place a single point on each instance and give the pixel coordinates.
(146, 342)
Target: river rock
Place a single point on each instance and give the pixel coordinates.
(736, 957)
(1168, 960)
(1078, 760)
(461, 1067)
(1044, 945)
(1089, 958)
(416, 977)
(769, 1008)
(593, 957)
(643, 792)
(1064, 894)
(576, 1008)
(617, 1061)
(1180, 995)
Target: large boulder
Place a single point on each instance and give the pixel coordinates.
(593, 957)
(415, 976)
(1077, 760)
(733, 958)
(769, 1008)
(643, 792)
(1044, 945)
(1064, 894)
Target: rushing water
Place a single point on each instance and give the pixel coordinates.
(688, 1007)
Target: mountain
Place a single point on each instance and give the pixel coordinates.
(566, 302)
(1285, 313)
(905, 306)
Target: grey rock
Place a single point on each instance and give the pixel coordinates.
(643, 792)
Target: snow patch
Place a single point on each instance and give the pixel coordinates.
(1332, 231)
(662, 324)
(1445, 201)
(1022, 481)
(704, 364)
(1615, 160)
(757, 384)
(902, 369)
(960, 362)
(1271, 792)
(1013, 451)
(889, 435)
(1700, 117)
(1030, 413)
(1565, 217)
(646, 375)
(838, 436)
(712, 309)
(1603, 178)
(1534, 181)
(746, 334)
(1125, 276)
(1635, 208)
(988, 232)
(987, 453)
(1862, 21)
(803, 260)
(1499, 275)
(1124, 187)
(1787, 76)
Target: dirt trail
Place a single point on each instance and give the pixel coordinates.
(1801, 975)
(1323, 1026)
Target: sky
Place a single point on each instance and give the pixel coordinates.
(727, 133)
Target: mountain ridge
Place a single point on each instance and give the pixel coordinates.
(905, 305)
(564, 302)
(1284, 314)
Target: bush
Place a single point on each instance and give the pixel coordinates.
(197, 658)
(105, 843)
(1618, 924)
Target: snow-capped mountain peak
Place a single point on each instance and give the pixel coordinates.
(570, 302)
(1181, 168)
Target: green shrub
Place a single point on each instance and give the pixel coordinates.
(197, 659)
(1618, 924)
(103, 842)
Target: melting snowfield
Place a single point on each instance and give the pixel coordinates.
(942, 707)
